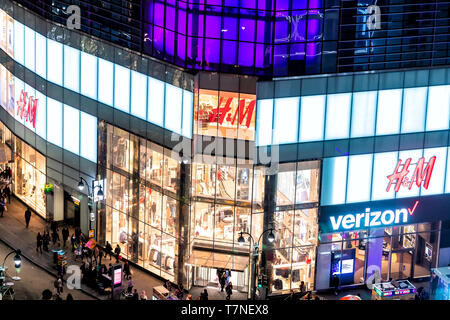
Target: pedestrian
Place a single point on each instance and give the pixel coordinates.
(56, 285)
(130, 285)
(117, 253)
(65, 235)
(73, 243)
(167, 285)
(69, 297)
(127, 270)
(2, 206)
(336, 284)
(27, 216)
(189, 297)
(135, 295)
(45, 241)
(7, 192)
(229, 290)
(143, 295)
(302, 289)
(204, 295)
(46, 294)
(39, 242)
(109, 250)
(222, 280)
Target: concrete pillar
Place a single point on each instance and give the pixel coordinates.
(58, 203)
(84, 215)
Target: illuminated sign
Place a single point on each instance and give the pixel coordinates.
(400, 176)
(117, 276)
(242, 113)
(27, 109)
(369, 219)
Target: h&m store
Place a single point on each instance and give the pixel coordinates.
(352, 171)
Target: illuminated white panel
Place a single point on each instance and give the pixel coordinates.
(383, 165)
(88, 148)
(139, 95)
(54, 120)
(72, 68)
(363, 114)
(264, 122)
(19, 86)
(41, 55)
(31, 92)
(334, 180)
(41, 115)
(338, 116)
(413, 114)
(388, 113)
(188, 115)
(155, 102)
(359, 178)
(312, 118)
(30, 49)
(18, 42)
(122, 88)
(174, 96)
(89, 75)
(404, 156)
(105, 81)
(436, 185)
(438, 112)
(447, 179)
(285, 123)
(72, 129)
(55, 61)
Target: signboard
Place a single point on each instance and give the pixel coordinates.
(401, 178)
(117, 276)
(26, 107)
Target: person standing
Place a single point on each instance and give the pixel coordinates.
(109, 250)
(2, 206)
(65, 235)
(45, 241)
(204, 295)
(39, 242)
(27, 216)
(127, 270)
(130, 285)
(229, 290)
(336, 284)
(143, 295)
(7, 192)
(117, 252)
(222, 281)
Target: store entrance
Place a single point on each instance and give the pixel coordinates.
(401, 264)
(209, 277)
(71, 210)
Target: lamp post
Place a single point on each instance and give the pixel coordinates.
(17, 262)
(90, 195)
(255, 254)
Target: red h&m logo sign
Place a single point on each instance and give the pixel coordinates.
(220, 114)
(400, 176)
(27, 109)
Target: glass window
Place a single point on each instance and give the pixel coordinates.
(71, 129)
(31, 94)
(155, 106)
(71, 68)
(54, 119)
(105, 81)
(436, 185)
(88, 137)
(334, 179)
(388, 113)
(438, 111)
(41, 115)
(29, 48)
(286, 184)
(226, 182)
(173, 108)
(122, 88)
(413, 116)
(170, 173)
(359, 178)
(285, 127)
(19, 88)
(139, 95)
(204, 221)
(312, 118)
(205, 175)
(363, 114)
(188, 108)
(307, 182)
(223, 225)
(41, 55)
(154, 163)
(55, 56)
(18, 42)
(338, 116)
(383, 165)
(244, 181)
(89, 75)
(170, 215)
(264, 123)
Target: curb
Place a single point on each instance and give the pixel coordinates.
(53, 274)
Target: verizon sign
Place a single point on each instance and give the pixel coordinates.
(421, 173)
(26, 108)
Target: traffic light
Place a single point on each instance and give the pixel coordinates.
(263, 281)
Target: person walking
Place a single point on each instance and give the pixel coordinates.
(130, 285)
(39, 242)
(117, 253)
(65, 235)
(135, 295)
(69, 297)
(143, 295)
(72, 242)
(109, 250)
(127, 270)
(229, 290)
(7, 193)
(27, 216)
(204, 295)
(222, 281)
(45, 241)
(55, 236)
(336, 284)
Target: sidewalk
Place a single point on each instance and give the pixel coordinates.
(14, 233)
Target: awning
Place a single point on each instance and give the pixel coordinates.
(218, 260)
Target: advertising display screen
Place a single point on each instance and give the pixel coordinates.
(117, 276)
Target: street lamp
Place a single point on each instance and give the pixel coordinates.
(17, 262)
(256, 252)
(90, 195)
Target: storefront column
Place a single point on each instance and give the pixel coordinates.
(183, 224)
(85, 215)
(133, 197)
(58, 203)
(267, 256)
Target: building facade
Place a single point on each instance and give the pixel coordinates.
(326, 121)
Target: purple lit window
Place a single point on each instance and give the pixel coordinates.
(229, 52)
(250, 4)
(170, 43)
(280, 59)
(282, 5)
(246, 52)
(282, 27)
(159, 13)
(181, 47)
(212, 53)
(247, 26)
(231, 3)
(181, 18)
(212, 27)
(170, 16)
(230, 27)
(158, 39)
(300, 4)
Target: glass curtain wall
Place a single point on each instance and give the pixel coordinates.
(296, 226)
(142, 210)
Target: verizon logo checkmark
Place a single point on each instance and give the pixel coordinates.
(413, 209)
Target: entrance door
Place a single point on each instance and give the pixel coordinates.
(203, 276)
(401, 262)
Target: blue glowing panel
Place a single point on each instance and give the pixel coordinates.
(105, 81)
(88, 147)
(122, 88)
(363, 114)
(54, 117)
(359, 178)
(338, 116)
(383, 165)
(173, 108)
(71, 129)
(413, 114)
(188, 113)
(89, 75)
(264, 122)
(19, 42)
(139, 95)
(41, 115)
(334, 179)
(447, 179)
(438, 112)
(389, 110)
(436, 185)
(155, 100)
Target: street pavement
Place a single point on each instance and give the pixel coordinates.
(33, 280)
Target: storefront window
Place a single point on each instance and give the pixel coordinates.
(204, 176)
